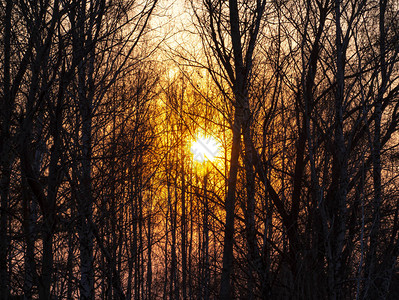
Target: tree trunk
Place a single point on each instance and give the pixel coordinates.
(225, 285)
(372, 287)
(337, 239)
(5, 153)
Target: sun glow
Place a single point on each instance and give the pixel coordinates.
(204, 148)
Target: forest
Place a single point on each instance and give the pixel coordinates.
(199, 149)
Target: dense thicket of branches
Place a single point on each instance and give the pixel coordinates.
(101, 197)
(73, 93)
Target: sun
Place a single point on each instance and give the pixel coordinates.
(204, 148)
